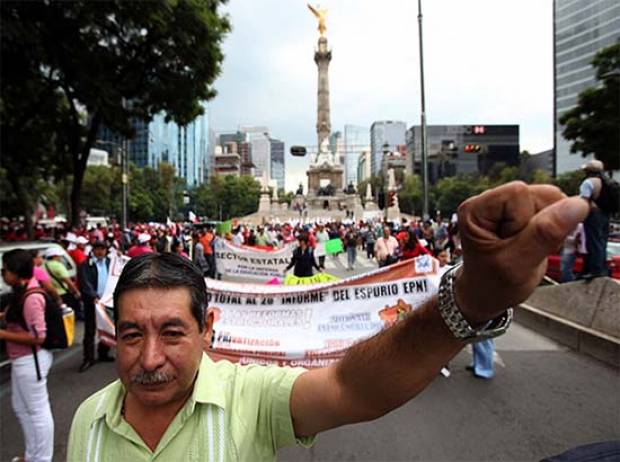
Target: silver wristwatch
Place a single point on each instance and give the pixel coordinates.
(458, 325)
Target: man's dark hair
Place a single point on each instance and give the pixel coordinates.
(164, 271)
(18, 261)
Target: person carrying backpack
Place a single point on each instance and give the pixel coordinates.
(602, 194)
(25, 335)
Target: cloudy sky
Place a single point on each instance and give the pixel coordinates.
(486, 61)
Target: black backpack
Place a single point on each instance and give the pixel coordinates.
(56, 336)
(609, 198)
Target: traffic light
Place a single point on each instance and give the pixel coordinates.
(298, 151)
(391, 198)
(472, 148)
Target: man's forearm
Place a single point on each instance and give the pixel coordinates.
(389, 369)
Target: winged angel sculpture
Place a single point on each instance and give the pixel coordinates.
(320, 13)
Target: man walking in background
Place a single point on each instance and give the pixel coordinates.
(594, 188)
(93, 276)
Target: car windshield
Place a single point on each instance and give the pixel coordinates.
(613, 249)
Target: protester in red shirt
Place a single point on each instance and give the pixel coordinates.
(141, 247)
(78, 254)
(412, 247)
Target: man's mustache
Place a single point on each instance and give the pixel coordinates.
(151, 378)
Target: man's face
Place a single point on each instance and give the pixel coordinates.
(99, 252)
(443, 258)
(159, 345)
(386, 231)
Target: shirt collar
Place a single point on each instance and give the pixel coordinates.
(208, 389)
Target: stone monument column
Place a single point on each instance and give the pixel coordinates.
(322, 57)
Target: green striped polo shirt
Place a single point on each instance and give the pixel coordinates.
(235, 413)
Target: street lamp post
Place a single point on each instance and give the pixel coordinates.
(124, 181)
(123, 149)
(425, 214)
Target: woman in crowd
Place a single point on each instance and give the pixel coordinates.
(412, 247)
(42, 277)
(303, 259)
(179, 249)
(30, 364)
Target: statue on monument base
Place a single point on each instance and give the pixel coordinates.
(324, 156)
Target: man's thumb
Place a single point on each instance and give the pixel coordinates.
(548, 229)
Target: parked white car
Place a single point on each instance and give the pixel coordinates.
(32, 245)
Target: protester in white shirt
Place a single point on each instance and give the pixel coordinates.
(386, 248)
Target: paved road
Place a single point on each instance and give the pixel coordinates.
(544, 400)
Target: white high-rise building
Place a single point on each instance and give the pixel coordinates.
(580, 29)
(390, 132)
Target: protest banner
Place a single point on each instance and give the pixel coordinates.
(249, 263)
(312, 326)
(319, 278)
(307, 325)
(333, 246)
(223, 227)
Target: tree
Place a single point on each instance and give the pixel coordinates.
(227, 197)
(540, 176)
(593, 123)
(410, 194)
(31, 110)
(113, 61)
(569, 182)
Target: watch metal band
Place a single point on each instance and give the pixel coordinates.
(458, 325)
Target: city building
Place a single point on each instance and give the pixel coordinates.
(187, 148)
(277, 162)
(363, 166)
(244, 148)
(396, 160)
(381, 132)
(356, 141)
(580, 30)
(227, 160)
(537, 161)
(462, 149)
(260, 148)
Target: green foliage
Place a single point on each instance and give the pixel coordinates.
(451, 191)
(569, 182)
(286, 197)
(76, 65)
(227, 197)
(593, 123)
(541, 177)
(410, 194)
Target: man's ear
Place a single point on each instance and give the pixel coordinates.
(208, 330)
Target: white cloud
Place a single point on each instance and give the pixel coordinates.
(486, 61)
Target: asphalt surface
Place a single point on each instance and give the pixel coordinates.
(543, 400)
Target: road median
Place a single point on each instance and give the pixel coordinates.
(583, 315)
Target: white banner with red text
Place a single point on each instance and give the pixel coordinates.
(309, 326)
(246, 262)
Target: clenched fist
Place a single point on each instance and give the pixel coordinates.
(507, 234)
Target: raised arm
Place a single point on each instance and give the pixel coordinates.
(512, 224)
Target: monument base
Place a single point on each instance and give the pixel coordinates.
(264, 204)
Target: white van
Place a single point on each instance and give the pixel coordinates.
(38, 245)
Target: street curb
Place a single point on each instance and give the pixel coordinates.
(586, 340)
